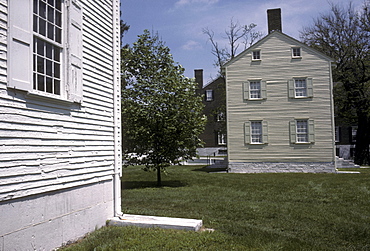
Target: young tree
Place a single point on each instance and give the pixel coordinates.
(344, 35)
(161, 115)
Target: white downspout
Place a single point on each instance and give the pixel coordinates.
(117, 109)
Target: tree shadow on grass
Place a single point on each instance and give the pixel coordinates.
(210, 169)
(151, 184)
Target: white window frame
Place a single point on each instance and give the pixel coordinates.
(256, 132)
(300, 87)
(253, 135)
(221, 138)
(302, 131)
(296, 52)
(209, 95)
(255, 89)
(295, 90)
(20, 48)
(250, 93)
(256, 55)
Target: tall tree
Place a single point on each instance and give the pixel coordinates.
(239, 37)
(161, 115)
(344, 35)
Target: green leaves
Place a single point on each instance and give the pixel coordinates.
(161, 115)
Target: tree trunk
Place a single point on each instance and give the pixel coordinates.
(159, 179)
(362, 154)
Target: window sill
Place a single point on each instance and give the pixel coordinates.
(303, 143)
(50, 98)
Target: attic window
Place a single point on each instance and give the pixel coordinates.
(256, 55)
(296, 52)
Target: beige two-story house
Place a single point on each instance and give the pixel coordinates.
(280, 107)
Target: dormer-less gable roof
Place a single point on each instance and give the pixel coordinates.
(269, 36)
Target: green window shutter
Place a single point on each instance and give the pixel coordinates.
(309, 87)
(263, 90)
(291, 93)
(247, 132)
(246, 90)
(293, 136)
(311, 131)
(74, 86)
(264, 132)
(20, 45)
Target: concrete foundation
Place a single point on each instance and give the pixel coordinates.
(155, 221)
(287, 167)
(48, 221)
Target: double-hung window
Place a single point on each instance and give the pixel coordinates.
(296, 52)
(209, 95)
(221, 138)
(300, 87)
(255, 132)
(45, 48)
(254, 90)
(256, 55)
(302, 131)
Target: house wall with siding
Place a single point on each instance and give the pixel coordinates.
(57, 158)
(276, 68)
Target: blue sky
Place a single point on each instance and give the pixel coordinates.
(180, 23)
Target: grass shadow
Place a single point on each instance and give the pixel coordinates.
(151, 184)
(210, 169)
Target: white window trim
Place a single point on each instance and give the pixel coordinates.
(209, 95)
(300, 52)
(260, 56)
(221, 138)
(20, 49)
(248, 132)
(246, 90)
(292, 88)
(310, 131)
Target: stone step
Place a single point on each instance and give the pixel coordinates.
(155, 221)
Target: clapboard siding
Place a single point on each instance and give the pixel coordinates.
(276, 68)
(46, 145)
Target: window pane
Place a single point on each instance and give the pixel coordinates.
(58, 35)
(40, 47)
(57, 87)
(40, 83)
(58, 4)
(255, 89)
(58, 18)
(49, 85)
(42, 28)
(49, 51)
(49, 68)
(35, 19)
(42, 9)
(56, 54)
(40, 65)
(50, 14)
(56, 70)
(35, 6)
(51, 31)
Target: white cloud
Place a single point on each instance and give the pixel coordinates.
(191, 45)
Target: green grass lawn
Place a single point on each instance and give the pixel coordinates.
(248, 211)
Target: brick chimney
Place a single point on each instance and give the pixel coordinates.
(274, 20)
(198, 74)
